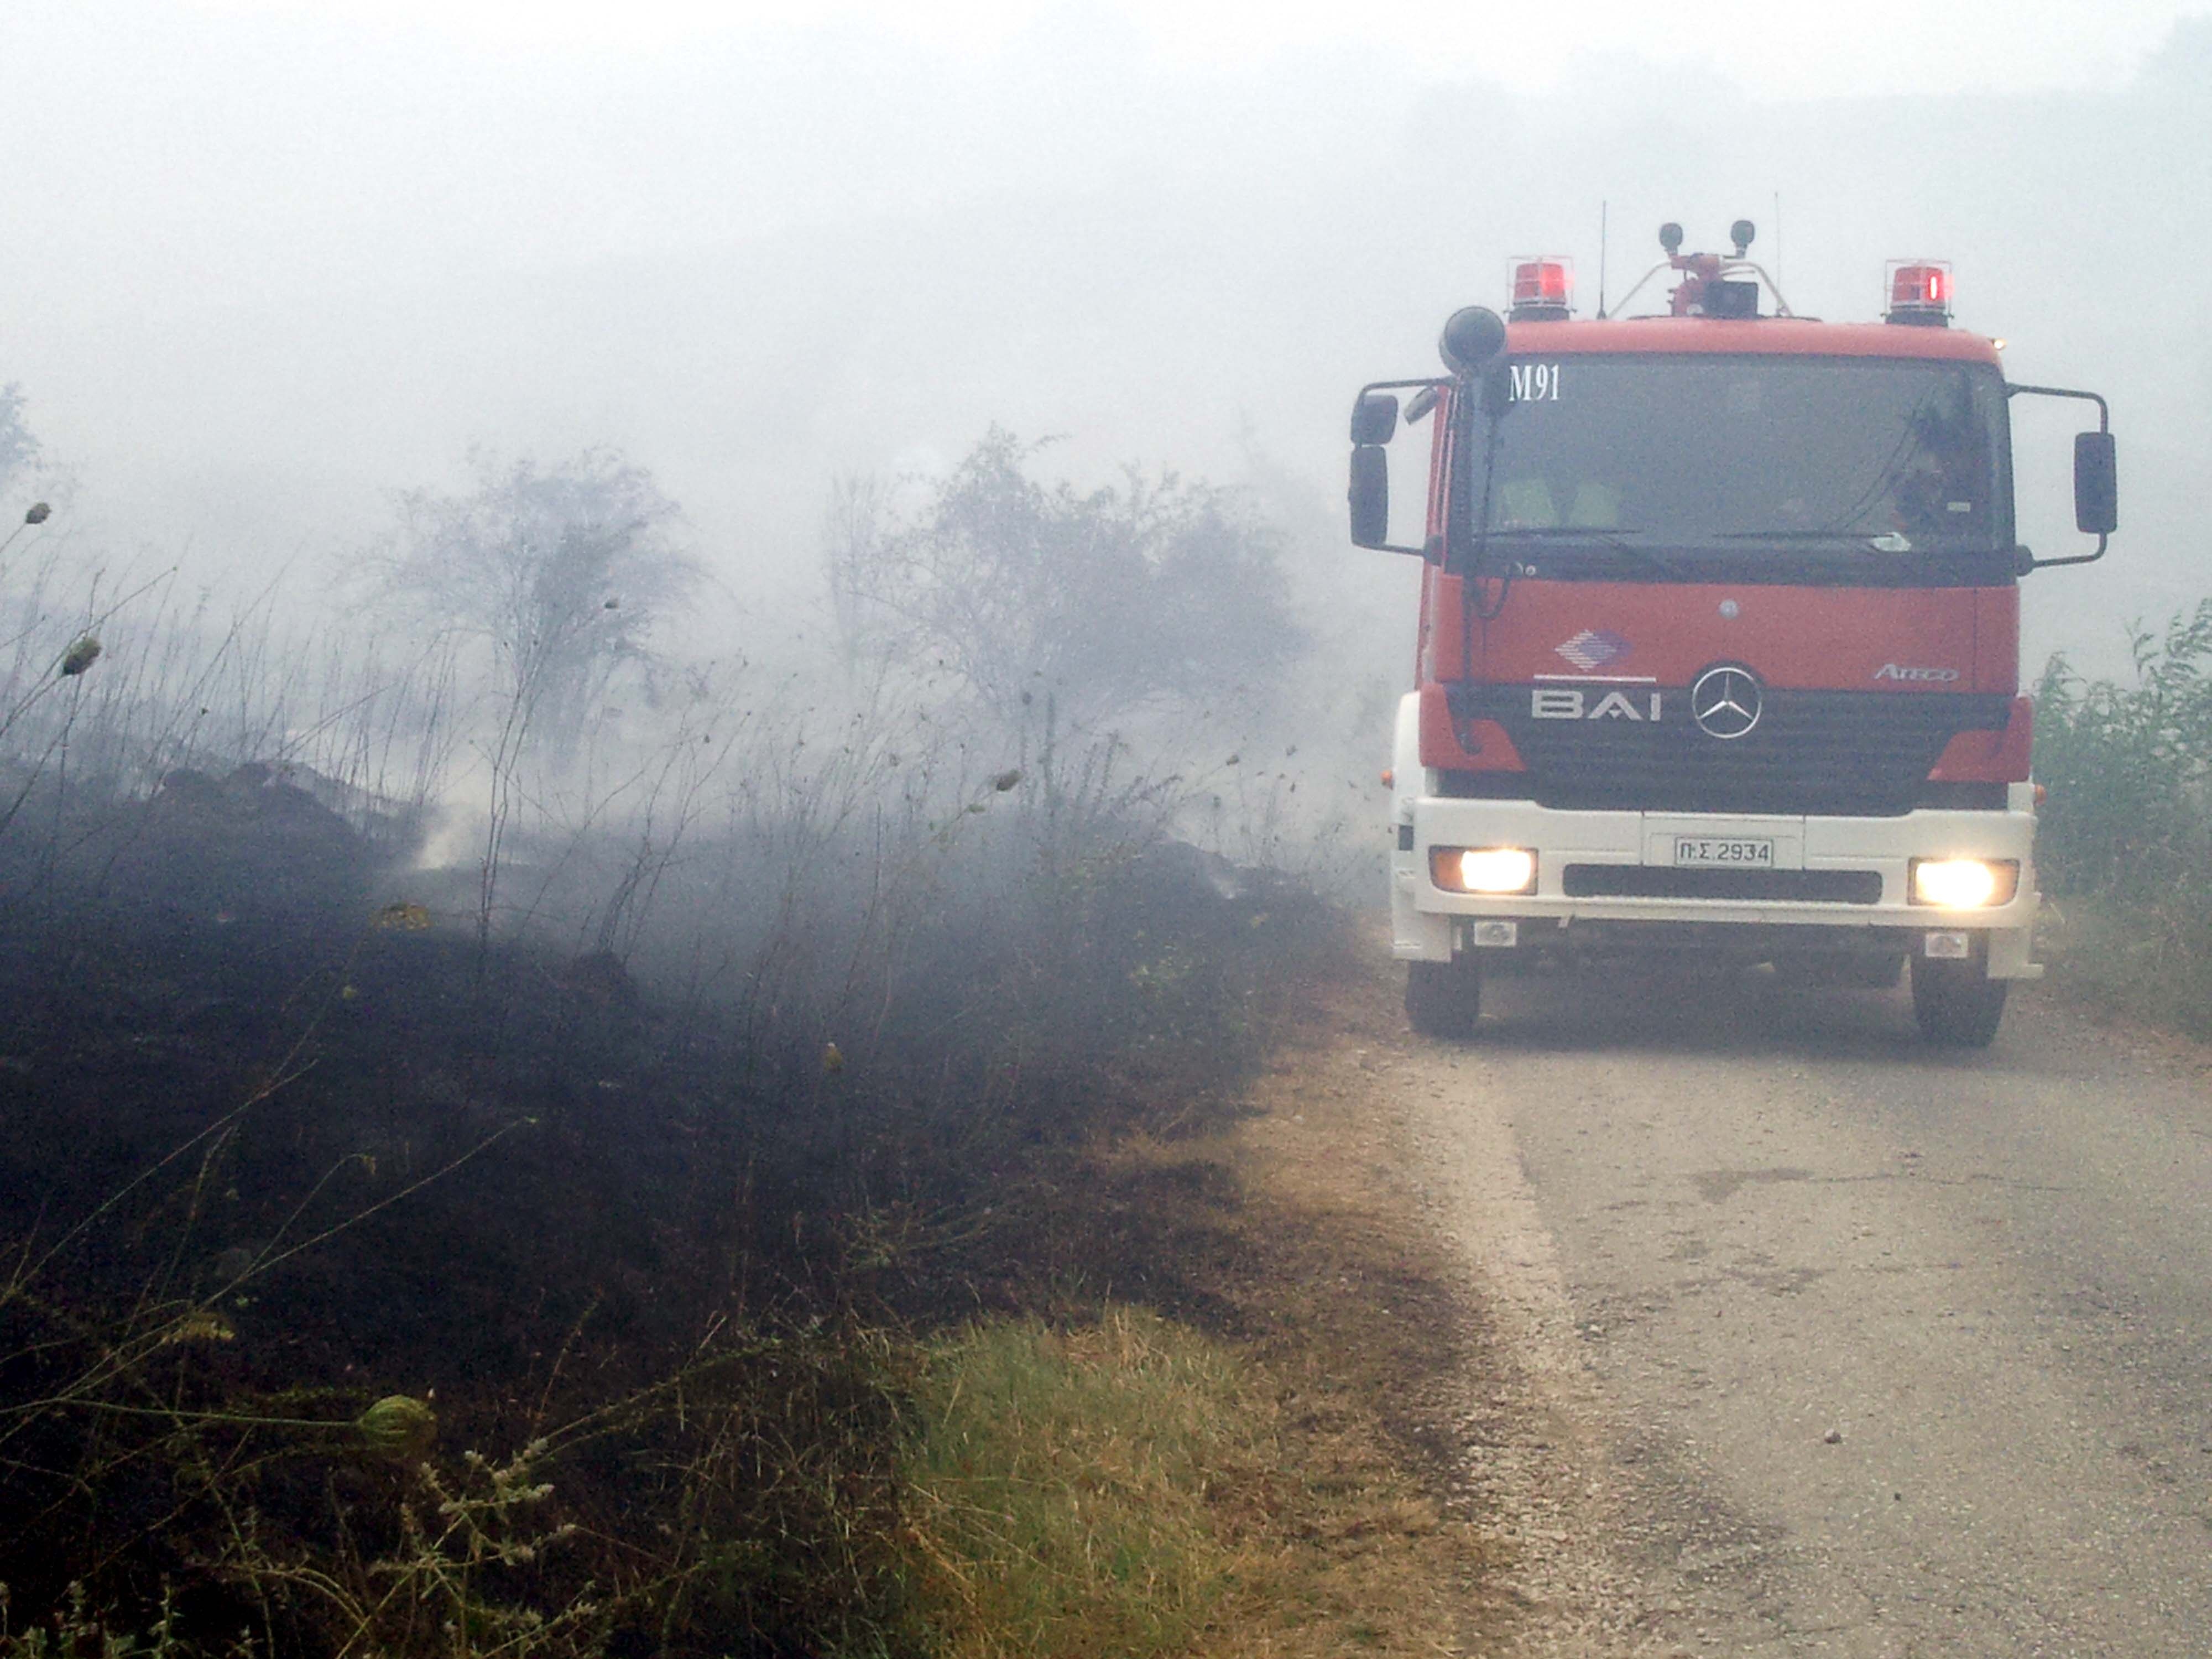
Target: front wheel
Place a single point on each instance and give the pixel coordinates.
(1957, 1003)
(1443, 998)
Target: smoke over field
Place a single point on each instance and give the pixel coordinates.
(488, 1094)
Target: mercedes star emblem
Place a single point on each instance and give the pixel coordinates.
(1724, 701)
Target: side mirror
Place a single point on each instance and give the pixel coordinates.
(1373, 418)
(1369, 493)
(2096, 478)
(2096, 484)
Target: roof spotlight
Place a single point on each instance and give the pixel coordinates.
(1740, 233)
(1670, 238)
(1473, 339)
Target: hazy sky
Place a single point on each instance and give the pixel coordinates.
(163, 148)
(1779, 48)
(264, 262)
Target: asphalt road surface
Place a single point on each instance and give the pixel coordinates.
(1846, 1345)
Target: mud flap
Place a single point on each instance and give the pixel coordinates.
(2008, 954)
(1416, 935)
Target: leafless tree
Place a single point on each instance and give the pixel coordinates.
(563, 572)
(560, 574)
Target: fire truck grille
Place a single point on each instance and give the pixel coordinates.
(1791, 886)
(1845, 753)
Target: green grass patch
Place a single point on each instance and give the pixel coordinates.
(1087, 1491)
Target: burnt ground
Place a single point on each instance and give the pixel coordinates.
(275, 1150)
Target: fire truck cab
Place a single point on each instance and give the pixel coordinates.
(1719, 643)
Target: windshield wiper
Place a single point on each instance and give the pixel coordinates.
(1856, 537)
(1607, 533)
(1613, 541)
(1857, 540)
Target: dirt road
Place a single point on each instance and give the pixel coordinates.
(1824, 1341)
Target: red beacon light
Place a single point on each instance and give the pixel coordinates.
(1920, 292)
(1543, 290)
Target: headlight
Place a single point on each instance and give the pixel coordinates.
(1964, 884)
(1483, 869)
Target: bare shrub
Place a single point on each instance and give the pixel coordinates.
(556, 577)
(561, 573)
(1157, 593)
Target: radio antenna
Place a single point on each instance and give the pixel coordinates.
(1601, 208)
(1777, 242)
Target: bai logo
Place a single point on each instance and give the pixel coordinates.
(1592, 649)
(1890, 671)
(1571, 703)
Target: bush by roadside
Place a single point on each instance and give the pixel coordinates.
(2125, 848)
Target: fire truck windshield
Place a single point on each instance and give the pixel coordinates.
(1819, 453)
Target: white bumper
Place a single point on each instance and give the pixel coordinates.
(1429, 923)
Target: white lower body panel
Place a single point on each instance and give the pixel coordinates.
(1430, 923)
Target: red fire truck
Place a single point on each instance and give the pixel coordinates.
(1719, 647)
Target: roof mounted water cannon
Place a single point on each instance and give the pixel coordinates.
(1713, 284)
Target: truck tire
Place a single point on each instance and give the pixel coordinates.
(1443, 998)
(1957, 1003)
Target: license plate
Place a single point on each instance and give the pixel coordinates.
(1710, 852)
